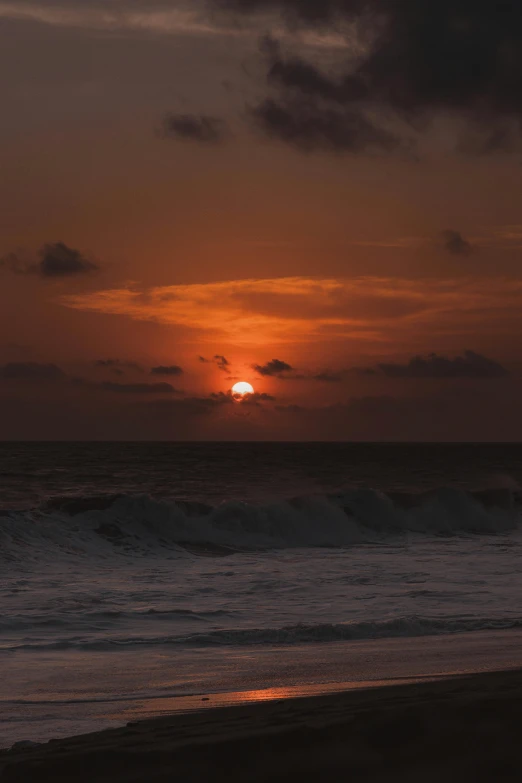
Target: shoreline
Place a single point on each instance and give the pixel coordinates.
(465, 727)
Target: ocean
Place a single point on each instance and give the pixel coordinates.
(141, 578)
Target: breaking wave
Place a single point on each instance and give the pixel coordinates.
(294, 634)
(135, 525)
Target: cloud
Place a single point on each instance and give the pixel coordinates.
(193, 406)
(489, 414)
(190, 127)
(255, 399)
(368, 310)
(465, 63)
(241, 399)
(160, 17)
(139, 388)
(312, 127)
(117, 366)
(128, 388)
(273, 368)
(208, 405)
(284, 371)
(222, 363)
(470, 365)
(455, 244)
(290, 409)
(30, 371)
(172, 369)
(328, 377)
(56, 260)
(107, 362)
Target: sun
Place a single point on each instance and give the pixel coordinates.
(242, 388)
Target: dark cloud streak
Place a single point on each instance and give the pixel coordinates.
(31, 371)
(172, 369)
(470, 365)
(189, 127)
(117, 366)
(222, 363)
(273, 368)
(455, 244)
(139, 388)
(308, 127)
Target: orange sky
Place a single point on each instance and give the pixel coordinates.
(125, 247)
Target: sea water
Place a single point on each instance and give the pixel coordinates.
(139, 578)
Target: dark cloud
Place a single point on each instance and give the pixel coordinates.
(217, 399)
(273, 368)
(454, 243)
(14, 263)
(328, 377)
(117, 366)
(297, 73)
(128, 388)
(279, 369)
(242, 399)
(191, 127)
(222, 362)
(489, 414)
(206, 406)
(139, 388)
(412, 60)
(255, 399)
(56, 260)
(31, 371)
(198, 406)
(470, 365)
(289, 408)
(310, 127)
(172, 369)
(193, 406)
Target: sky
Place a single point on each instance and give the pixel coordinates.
(318, 197)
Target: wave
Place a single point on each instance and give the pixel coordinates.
(95, 620)
(289, 635)
(135, 525)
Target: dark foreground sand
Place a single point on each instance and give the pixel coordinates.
(463, 729)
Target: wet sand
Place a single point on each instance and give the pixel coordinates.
(467, 728)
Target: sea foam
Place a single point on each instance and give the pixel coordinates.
(134, 525)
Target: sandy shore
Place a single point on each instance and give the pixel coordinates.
(463, 729)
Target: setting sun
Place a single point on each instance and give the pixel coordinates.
(242, 388)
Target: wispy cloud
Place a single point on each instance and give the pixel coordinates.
(157, 18)
(365, 309)
(180, 17)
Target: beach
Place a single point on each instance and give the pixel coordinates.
(465, 728)
(176, 610)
